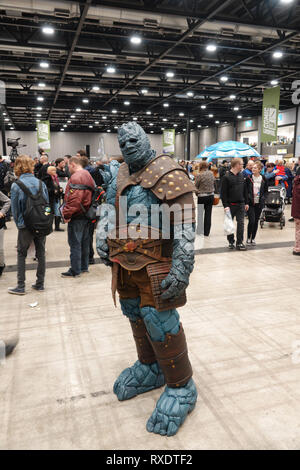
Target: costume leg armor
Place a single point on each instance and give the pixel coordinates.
(145, 374)
(180, 395)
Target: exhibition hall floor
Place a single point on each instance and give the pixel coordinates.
(242, 323)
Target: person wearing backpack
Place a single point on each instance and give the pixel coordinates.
(32, 215)
(77, 202)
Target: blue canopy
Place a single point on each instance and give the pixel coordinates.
(228, 149)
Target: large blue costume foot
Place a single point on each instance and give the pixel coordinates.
(139, 378)
(172, 408)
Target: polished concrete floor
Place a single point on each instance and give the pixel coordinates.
(242, 323)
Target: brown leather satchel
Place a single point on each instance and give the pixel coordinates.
(157, 273)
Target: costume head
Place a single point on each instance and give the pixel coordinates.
(135, 146)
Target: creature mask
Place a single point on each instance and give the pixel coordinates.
(135, 146)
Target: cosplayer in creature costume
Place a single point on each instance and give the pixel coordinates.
(148, 181)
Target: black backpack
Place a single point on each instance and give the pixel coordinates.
(98, 197)
(38, 217)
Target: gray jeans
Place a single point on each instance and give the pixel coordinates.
(2, 247)
(25, 237)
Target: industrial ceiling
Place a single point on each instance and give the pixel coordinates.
(92, 65)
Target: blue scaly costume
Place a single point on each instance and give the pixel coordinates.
(148, 181)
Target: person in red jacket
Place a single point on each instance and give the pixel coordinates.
(296, 214)
(76, 202)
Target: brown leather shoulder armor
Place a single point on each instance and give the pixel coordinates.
(166, 179)
(163, 176)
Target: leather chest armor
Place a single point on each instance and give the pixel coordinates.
(134, 247)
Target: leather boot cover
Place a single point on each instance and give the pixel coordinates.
(172, 356)
(143, 346)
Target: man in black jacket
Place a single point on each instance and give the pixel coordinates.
(235, 197)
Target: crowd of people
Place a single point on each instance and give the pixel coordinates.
(243, 192)
(67, 186)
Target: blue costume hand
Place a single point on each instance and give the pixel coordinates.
(173, 287)
(182, 264)
(103, 251)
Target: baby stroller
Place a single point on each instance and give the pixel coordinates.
(274, 206)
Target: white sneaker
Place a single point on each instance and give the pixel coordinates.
(248, 242)
(253, 242)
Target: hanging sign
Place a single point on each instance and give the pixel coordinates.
(169, 141)
(270, 113)
(43, 134)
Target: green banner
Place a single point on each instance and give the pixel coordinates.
(43, 134)
(270, 113)
(169, 141)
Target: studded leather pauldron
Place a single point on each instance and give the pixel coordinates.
(163, 176)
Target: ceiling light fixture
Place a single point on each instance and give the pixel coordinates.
(232, 97)
(274, 82)
(203, 106)
(135, 39)
(41, 84)
(166, 105)
(78, 110)
(44, 65)
(110, 69)
(148, 112)
(96, 88)
(127, 103)
(48, 30)
(181, 114)
(190, 93)
(85, 100)
(277, 54)
(144, 91)
(211, 47)
(170, 74)
(114, 111)
(40, 98)
(224, 78)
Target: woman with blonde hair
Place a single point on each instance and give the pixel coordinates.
(24, 167)
(205, 184)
